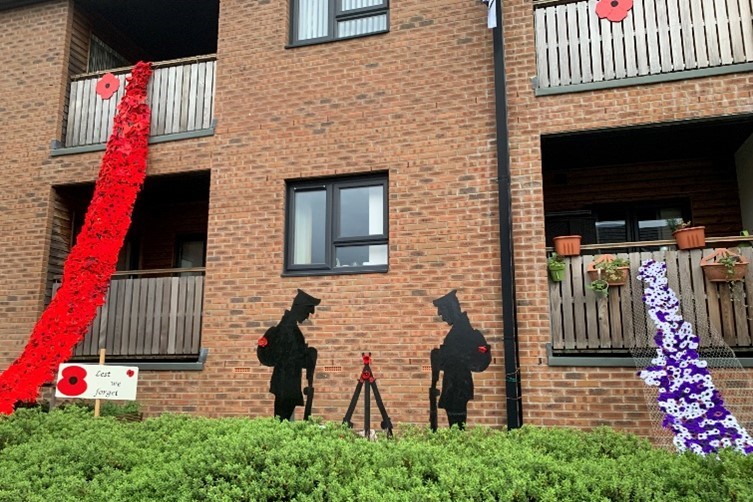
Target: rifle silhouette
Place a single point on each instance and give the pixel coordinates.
(311, 355)
(433, 391)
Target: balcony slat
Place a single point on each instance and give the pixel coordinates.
(551, 37)
(585, 48)
(735, 32)
(172, 331)
(746, 14)
(748, 305)
(641, 44)
(631, 69)
(686, 28)
(164, 331)
(675, 34)
(712, 38)
(594, 35)
(607, 53)
(185, 96)
(209, 96)
(619, 51)
(197, 315)
(574, 45)
(662, 26)
(723, 29)
(555, 307)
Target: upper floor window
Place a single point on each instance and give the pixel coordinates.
(322, 20)
(337, 225)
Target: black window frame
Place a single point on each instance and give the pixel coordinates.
(332, 239)
(337, 14)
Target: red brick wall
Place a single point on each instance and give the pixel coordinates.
(33, 58)
(417, 103)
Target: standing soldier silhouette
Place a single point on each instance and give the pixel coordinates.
(464, 350)
(284, 348)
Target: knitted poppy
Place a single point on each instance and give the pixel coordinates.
(614, 10)
(107, 85)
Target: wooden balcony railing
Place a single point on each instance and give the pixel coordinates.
(148, 314)
(181, 95)
(658, 37)
(583, 322)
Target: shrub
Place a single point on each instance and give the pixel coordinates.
(67, 455)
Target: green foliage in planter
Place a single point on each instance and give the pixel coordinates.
(556, 265)
(68, 456)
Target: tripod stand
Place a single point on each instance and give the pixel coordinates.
(367, 377)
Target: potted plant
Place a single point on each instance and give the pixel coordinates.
(724, 265)
(600, 287)
(609, 268)
(567, 245)
(686, 236)
(556, 265)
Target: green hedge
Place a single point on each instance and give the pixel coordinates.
(68, 455)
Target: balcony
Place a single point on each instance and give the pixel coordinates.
(584, 323)
(181, 95)
(659, 40)
(148, 314)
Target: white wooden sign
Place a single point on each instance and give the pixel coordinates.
(94, 381)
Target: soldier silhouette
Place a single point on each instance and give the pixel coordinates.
(464, 350)
(284, 348)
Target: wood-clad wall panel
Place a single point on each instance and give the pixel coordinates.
(709, 185)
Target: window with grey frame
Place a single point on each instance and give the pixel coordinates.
(337, 226)
(314, 21)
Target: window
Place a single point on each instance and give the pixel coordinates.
(190, 252)
(314, 21)
(337, 226)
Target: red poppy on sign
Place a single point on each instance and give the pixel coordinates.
(130, 373)
(73, 381)
(107, 85)
(263, 342)
(614, 10)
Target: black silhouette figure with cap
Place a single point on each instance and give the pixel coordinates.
(284, 348)
(464, 350)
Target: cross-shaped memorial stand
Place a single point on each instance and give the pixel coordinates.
(367, 377)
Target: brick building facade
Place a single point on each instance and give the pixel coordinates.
(413, 105)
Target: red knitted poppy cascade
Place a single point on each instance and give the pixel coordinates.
(91, 263)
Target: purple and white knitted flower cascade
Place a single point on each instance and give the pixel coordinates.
(693, 408)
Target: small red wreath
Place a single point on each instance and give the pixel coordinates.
(73, 381)
(614, 10)
(107, 85)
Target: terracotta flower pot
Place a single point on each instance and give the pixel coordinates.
(720, 272)
(690, 238)
(595, 272)
(567, 245)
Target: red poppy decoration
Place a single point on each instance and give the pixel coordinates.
(263, 342)
(483, 349)
(107, 85)
(91, 262)
(73, 381)
(614, 10)
(130, 373)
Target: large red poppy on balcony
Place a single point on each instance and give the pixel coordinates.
(107, 85)
(91, 263)
(614, 10)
